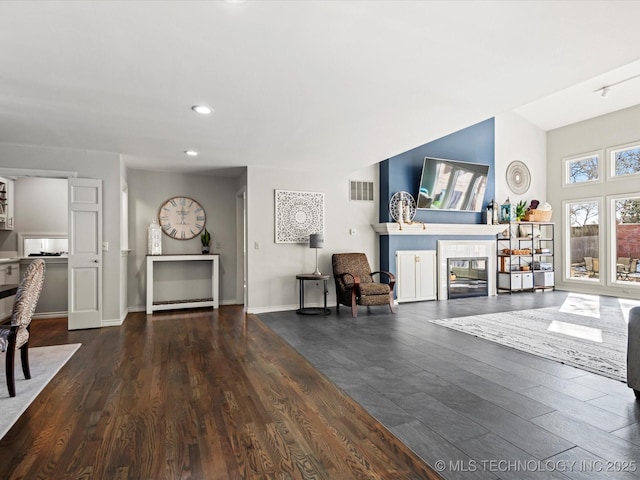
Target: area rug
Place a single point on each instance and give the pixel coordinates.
(45, 362)
(595, 341)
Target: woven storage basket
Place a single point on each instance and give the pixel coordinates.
(538, 215)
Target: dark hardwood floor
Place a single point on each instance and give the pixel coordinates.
(195, 395)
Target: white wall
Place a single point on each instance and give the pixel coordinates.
(41, 205)
(518, 139)
(217, 195)
(599, 133)
(273, 267)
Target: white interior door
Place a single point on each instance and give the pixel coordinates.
(85, 253)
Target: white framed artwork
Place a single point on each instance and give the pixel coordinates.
(298, 215)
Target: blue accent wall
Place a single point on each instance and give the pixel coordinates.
(475, 144)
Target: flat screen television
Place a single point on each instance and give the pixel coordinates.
(452, 185)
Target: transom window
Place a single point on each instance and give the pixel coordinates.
(625, 161)
(582, 169)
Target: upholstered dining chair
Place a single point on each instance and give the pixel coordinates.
(355, 284)
(16, 335)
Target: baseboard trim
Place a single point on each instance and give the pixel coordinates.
(50, 314)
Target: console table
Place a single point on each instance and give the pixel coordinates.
(212, 301)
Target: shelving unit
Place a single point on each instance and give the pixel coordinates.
(525, 257)
(6, 204)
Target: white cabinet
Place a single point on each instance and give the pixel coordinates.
(6, 204)
(9, 274)
(415, 275)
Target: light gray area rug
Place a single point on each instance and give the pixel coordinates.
(587, 337)
(45, 362)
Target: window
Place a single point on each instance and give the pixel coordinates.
(625, 161)
(626, 235)
(582, 169)
(584, 239)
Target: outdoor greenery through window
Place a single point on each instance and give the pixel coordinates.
(584, 239)
(584, 169)
(626, 161)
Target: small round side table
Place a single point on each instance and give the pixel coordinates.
(303, 277)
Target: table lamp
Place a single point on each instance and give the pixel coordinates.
(316, 240)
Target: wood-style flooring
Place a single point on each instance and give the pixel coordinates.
(471, 408)
(195, 395)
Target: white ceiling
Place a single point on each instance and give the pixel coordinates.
(300, 84)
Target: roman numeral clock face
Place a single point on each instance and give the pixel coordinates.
(182, 218)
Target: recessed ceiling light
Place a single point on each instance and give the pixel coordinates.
(191, 153)
(202, 109)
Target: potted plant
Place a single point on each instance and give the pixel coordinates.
(521, 210)
(205, 238)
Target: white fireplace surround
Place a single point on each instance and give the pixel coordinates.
(465, 249)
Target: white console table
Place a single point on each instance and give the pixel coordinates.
(213, 301)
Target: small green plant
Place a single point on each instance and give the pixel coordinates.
(521, 209)
(205, 238)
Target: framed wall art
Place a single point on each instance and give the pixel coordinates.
(298, 215)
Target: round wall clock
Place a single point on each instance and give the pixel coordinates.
(518, 177)
(182, 218)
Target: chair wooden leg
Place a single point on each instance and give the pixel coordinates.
(392, 305)
(354, 304)
(24, 357)
(11, 380)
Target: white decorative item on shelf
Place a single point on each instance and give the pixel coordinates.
(402, 207)
(154, 246)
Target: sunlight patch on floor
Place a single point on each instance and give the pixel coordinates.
(577, 331)
(582, 304)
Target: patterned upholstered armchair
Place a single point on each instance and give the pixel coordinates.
(16, 335)
(355, 284)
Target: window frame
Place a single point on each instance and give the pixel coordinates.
(567, 161)
(566, 247)
(612, 252)
(611, 163)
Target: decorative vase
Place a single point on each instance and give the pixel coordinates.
(205, 249)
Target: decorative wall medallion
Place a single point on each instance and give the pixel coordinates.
(298, 215)
(518, 177)
(395, 203)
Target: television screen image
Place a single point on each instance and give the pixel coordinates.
(452, 185)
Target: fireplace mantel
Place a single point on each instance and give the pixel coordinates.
(416, 228)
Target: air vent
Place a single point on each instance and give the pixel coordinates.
(361, 190)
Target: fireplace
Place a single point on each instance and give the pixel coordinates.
(468, 256)
(467, 277)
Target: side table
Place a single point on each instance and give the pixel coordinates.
(303, 277)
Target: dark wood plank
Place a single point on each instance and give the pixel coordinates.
(197, 394)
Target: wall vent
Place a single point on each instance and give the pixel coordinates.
(360, 190)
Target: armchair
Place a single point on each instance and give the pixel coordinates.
(16, 335)
(633, 351)
(355, 284)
